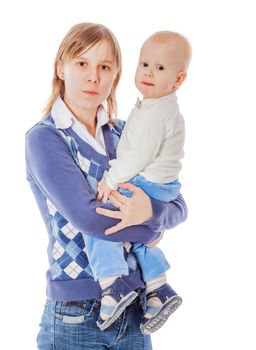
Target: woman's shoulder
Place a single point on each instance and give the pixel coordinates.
(43, 131)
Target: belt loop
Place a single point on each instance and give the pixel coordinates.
(143, 299)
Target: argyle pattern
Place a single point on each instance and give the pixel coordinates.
(69, 259)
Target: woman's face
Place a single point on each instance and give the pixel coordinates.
(88, 78)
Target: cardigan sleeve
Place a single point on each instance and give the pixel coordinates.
(55, 173)
(167, 215)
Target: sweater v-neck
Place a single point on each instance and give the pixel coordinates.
(91, 152)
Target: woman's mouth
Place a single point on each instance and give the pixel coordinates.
(90, 92)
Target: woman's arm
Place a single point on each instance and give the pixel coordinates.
(167, 215)
(162, 216)
(52, 168)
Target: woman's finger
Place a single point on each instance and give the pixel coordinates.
(110, 213)
(122, 199)
(128, 186)
(115, 202)
(115, 228)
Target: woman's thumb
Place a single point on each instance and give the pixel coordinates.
(127, 186)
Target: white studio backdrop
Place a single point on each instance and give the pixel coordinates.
(213, 253)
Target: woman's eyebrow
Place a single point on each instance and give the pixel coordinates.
(106, 61)
(80, 58)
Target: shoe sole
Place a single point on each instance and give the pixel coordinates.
(116, 313)
(157, 321)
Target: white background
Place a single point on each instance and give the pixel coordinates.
(213, 253)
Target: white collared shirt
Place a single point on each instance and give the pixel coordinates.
(64, 118)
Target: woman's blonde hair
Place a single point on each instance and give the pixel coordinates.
(80, 38)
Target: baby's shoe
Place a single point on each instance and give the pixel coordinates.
(115, 299)
(161, 303)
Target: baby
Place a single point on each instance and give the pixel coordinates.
(148, 155)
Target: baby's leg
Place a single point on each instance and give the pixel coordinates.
(151, 260)
(162, 300)
(166, 192)
(108, 264)
(106, 258)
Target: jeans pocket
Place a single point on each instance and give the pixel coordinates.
(73, 321)
(74, 312)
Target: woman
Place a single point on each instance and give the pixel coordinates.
(66, 154)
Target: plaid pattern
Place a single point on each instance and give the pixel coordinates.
(69, 259)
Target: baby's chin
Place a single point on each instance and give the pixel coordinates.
(147, 96)
(149, 92)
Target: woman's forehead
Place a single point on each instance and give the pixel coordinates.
(101, 51)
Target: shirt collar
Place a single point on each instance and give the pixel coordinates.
(64, 118)
(150, 101)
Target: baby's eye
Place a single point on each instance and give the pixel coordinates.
(144, 64)
(160, 67)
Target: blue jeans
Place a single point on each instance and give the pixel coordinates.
(72, 326)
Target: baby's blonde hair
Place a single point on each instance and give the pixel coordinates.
(182, 44)
(80, 38)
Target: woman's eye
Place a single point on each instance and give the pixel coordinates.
(82, 64)
(105, 67)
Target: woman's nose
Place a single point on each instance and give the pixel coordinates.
(93, 76)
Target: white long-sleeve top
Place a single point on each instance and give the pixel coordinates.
(151, 143)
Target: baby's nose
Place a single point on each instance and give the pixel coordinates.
(148, 73)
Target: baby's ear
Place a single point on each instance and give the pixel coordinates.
(181, 76)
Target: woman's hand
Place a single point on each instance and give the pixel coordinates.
(132, 211)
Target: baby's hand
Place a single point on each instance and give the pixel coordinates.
(155, 242)
(103, 191)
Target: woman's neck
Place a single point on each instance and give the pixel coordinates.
(85, 116)
(89, 120)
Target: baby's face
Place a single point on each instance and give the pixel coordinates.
(157, 69)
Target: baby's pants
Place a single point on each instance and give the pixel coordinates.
(106, 258)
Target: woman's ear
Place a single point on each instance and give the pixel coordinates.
(60, 71)
(179, 79)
